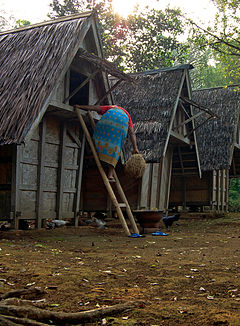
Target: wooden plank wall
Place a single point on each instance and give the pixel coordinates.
(211, 190)
(180, 117)
(49, 172)
(220, 190)
(155, 185)
(95, 196)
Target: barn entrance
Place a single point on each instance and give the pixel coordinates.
(5, 180)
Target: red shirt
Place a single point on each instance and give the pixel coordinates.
(105, 108)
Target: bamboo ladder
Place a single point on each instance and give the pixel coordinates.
(109, 188)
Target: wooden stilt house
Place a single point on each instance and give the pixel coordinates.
(219, 152)
(158, 103)
(45, 70)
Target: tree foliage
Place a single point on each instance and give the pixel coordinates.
(223, 39)
(234, 195)
(21, 23)
(144, 40)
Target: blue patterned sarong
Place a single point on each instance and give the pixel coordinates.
(109, 135)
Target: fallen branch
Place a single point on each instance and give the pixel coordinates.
(21, 302)
(22, 292)
(23, 321)
(60, 318)
(5, 322)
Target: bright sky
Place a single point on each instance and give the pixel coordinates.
(36, 10)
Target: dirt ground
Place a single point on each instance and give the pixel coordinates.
(190, 277)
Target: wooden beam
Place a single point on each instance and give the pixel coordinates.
(184, 110)
(188, 120)
(173, 114)
(193, 130)
(39, 200)
(201, 107)
(184, 139)
(108, 92)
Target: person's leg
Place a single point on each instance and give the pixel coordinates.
(110, 172)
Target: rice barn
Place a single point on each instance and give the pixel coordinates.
(219, 151)
(162, 111)
(46, 69)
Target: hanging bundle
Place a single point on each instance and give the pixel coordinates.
(135, 166)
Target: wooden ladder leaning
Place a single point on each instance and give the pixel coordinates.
(111, 193)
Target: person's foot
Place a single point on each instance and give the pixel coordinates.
(111, 179)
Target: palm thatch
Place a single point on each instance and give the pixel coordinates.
(150, 102)
(216, 137)
(31, 61)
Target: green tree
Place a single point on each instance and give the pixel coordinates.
(209, 70)
(144, 40)
(21, 23)
(223, 38)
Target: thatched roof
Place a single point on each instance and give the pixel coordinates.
(216, 137)
(150, 102)
(32, 60)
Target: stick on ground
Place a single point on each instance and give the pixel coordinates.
(60, 318)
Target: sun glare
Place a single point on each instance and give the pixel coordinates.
(124, 7)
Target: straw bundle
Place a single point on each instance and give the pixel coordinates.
(135, 166)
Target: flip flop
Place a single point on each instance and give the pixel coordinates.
(159, 233)
(136, 235)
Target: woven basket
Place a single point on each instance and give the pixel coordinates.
(135, 166)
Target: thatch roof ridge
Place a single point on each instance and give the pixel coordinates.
(48, 22)
(164, 69)
(216, 137)
(31, 62)
(217, 87)
(150, 102)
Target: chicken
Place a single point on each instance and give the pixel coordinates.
(51, 224)
(98, 219)
(100, 224)
(168, 220)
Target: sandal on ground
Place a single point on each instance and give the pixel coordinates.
(159, 233)
(136, 235)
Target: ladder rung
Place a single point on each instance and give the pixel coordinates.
(122, 205)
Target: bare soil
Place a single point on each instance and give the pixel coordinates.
(190, 277)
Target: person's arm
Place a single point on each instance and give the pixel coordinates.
(89, 107)
(133, 140)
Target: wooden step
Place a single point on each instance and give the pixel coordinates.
(122, 205)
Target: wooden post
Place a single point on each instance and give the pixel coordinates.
(61, 172)
(104, 177)
(39, 201)
(79, 181)
(184, 193)
(15, 186)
